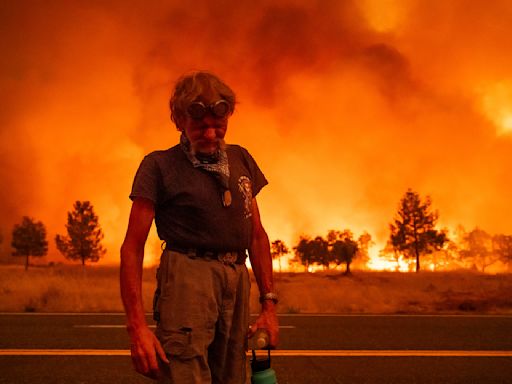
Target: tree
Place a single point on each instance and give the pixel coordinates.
(477, 247)
(29, 239)
(320, 251)
(502, 244)
(83, 241)
(312, 251)
(278, 249)
(362, 257)
(303, 251)
(446, 258)
(343, 248)
(413, 232)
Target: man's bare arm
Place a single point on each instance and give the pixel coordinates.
(144, 345)
(261, 262)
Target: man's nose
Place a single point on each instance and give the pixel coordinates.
(209, 133)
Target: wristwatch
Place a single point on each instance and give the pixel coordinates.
(269, 296)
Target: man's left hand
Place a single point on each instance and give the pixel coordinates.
(268, 321)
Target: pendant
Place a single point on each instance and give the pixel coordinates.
(226, 198)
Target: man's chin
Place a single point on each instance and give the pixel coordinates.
(209, 149)
(206, 151)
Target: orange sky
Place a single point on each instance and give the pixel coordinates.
(343, 106)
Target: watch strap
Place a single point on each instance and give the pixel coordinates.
(269, 296)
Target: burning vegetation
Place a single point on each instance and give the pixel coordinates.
(413, 237)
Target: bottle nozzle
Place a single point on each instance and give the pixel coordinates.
(261, 339)
(261, 342)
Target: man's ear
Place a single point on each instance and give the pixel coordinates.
(179, 123)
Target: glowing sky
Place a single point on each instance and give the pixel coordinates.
(344, 105)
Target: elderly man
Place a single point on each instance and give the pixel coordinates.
(202, 195)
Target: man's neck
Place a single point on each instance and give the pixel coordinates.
(208, 158)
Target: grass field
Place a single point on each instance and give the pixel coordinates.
(70, 288)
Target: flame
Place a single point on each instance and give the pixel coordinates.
(497, 104)
(381, 262)
(285, 264)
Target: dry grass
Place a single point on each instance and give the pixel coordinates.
(96, 289)
(389, 292)
(64, 288)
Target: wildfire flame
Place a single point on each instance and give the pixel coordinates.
(497, 104)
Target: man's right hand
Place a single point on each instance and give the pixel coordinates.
(144, 350)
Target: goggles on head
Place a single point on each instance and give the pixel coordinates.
(198, 110)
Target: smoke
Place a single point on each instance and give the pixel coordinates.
(344, 105)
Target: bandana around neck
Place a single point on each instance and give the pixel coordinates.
(216, 164)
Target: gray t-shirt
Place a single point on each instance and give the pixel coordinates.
(188, 201)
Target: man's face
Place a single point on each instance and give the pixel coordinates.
(206, 135)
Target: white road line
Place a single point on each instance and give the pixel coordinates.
(109, 326)
(460, 315)
(64, 352)
(393, 353)
(279, 314)
(282, 353)
(64, 314)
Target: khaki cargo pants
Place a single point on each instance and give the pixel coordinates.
(204, 317)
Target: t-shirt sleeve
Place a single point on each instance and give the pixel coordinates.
(257, 177)
(147, 180)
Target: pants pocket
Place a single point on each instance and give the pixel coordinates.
(179, 343)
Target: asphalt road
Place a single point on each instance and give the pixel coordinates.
(38, 348)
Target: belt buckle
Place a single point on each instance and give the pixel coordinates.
(228, 258)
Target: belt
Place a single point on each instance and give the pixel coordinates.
(226, 257)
